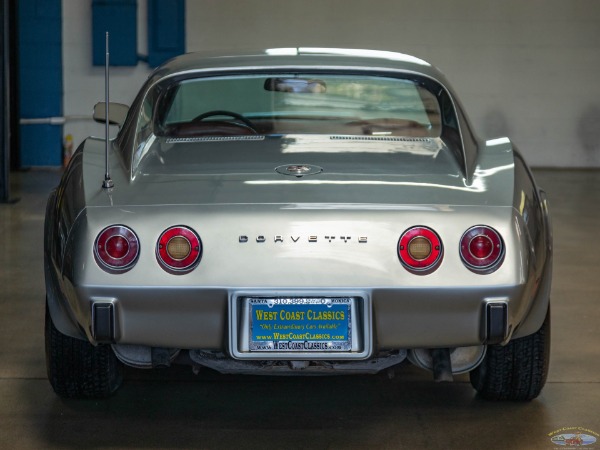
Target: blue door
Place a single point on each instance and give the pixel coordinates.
(40, 81)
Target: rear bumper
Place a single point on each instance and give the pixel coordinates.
(393, 318)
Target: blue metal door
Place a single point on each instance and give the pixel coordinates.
(40, 82)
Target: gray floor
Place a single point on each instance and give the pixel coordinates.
(174, 409)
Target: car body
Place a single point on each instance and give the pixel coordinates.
(297, 211)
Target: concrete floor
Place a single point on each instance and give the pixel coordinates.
(175, 409)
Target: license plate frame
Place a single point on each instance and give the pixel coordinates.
(300, 325)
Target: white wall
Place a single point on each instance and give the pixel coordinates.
(83, 84)
(527, 69)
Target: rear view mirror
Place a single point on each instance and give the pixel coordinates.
(117, 112)
(295, 85)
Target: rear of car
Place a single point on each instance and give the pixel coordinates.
(291, 220)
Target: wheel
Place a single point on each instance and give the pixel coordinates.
(235, 115)
(77, 369)
(516, 371)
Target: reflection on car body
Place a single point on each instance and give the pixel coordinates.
(298, 211)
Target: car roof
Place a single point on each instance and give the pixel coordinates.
(297, 57)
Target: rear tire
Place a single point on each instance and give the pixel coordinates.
(516, 371)
(76, 368)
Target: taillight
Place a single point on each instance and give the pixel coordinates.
(117, 248)
(178, 249)
(420, 249)
(482, 249)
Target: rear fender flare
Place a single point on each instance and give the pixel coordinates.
(59, 312)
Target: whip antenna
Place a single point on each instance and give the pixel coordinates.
(107, 183)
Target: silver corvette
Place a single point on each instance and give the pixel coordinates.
(297, 211)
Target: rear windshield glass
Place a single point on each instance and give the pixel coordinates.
(297, 104)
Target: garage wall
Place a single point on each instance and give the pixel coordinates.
(83, 84)
(40, 82)
(524, 69)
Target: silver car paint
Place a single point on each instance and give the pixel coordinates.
(155, 308)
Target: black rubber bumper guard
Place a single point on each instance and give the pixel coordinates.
(103, 322)
(496, 322)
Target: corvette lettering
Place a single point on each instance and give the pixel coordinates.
(313, 238)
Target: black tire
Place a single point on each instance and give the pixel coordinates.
(516, 371)
(77, 369)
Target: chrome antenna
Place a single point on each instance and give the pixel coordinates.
(107, 183)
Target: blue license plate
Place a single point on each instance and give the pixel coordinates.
(300, 324)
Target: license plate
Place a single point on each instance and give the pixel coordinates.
(300, 324)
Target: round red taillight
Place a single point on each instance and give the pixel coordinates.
(117, 248)
(420, 249)
(179, 249)
(482, 249)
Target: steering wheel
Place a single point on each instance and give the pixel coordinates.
(235, 115)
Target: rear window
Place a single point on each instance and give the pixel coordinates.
(281, 104)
